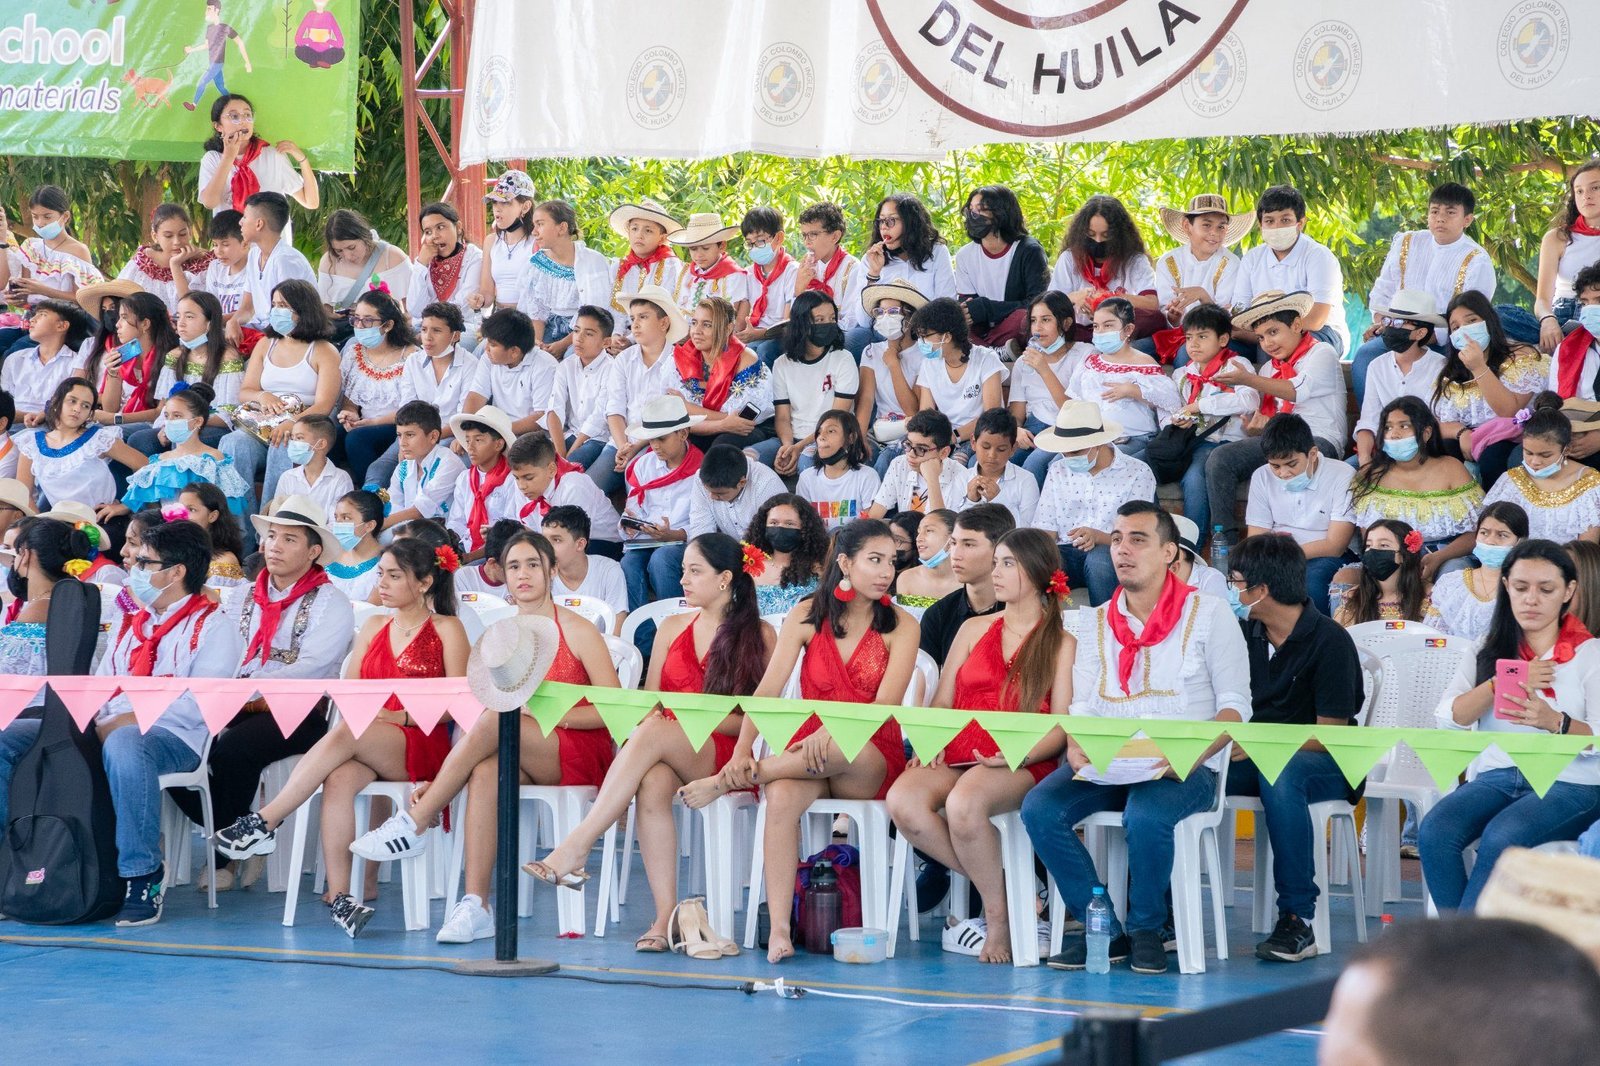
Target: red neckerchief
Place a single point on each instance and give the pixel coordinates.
(541, 506)
(136, 375)
(156, 272)
(270, 611)
(1163, 620)
(142, 661)
(1570, 354)
(766, 276)
(719, 382)
(720, 269)
(444, 271)
(1582, 228)
(1099, 278)
(685, 470)
(13, 609)
(629, 261)
(483, 486)
(1198, 382)
(244, 183)
(1284, 371)
(1571, 634)
(825, 283)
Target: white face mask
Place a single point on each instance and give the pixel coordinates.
(1280, 238)
(889, 327)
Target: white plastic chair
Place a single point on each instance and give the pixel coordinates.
(273, 778)
(596, 610)
(177, 831)
(363, 611)
(627, 660)
(652, 612)
(478, 612)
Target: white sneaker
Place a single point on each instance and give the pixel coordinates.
(966, 937)
(396, 838)
(469, 921)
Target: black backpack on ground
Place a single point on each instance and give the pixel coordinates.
(58, 854)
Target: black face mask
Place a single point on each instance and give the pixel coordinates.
(832, 460)
(16, 585)
(1397, 338)
(826, 335)
(516, 224)
(1097, 249)
(783, 539)
(1381, 563)
(978, 227)
(905, 558)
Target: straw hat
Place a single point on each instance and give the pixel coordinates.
(300, 511)
(1583, 414)
(1412, 305)
(1208, 203)
(1558, 892)
(509, 186)
(1270, 303)
(648, 210)
(72, 513)
(14, 493)
(705, 227)
(655, 294)
(510, 660)
(899, 289)
(488, 415)
(89, 296)
(1079, 425)
(663, 415)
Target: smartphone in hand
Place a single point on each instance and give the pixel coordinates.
(1510, 681)
(749, 411)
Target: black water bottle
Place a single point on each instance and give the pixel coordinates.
(824, 908)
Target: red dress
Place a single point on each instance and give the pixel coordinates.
(585, 754)
(682, 671)
(423, 657)
(979, 681)
(826, 676)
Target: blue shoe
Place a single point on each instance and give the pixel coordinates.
(144, 899)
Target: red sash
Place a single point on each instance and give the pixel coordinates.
(685, 470)
(630, 261)
(1574, 348)
(244, 183)
(719, 382)
(1198, 382)
(1571, 634)
(269, 612)
(541, 506)
(825, 283)
(483, 486)
(772, 273)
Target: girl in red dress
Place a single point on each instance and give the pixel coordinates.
(721, 647)
(853, 645)
(420, 638)
(1021, 660)
(577, 752)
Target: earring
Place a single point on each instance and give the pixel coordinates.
(722, 587)
(843, 592)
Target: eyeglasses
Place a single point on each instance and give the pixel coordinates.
(149, 565)
(918, 451)
(364, 321)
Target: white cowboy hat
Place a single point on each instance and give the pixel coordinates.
(510, 186)
(509, 662)
(488, 415)
(705, 227)
(300, 511)
(1208, 203)
(1559, 892)
(1412, 305)
(655, 294)
(899, 289)
(1270, 303)
(14, 493)
(663, 415)
(1188, 535)
(648, 210)
(1079, 425)
(72, 513)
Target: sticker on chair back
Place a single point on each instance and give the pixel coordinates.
(35, 877)
(570, 601)
(1436, 642)
(469, 597)
(1395, 625)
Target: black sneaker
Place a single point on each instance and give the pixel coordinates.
(933, 884)
(1291, 941)
(349, 915)
(1075, 952)
(247, 836)
(1169, 937)
(1148, 954)
(142, 903)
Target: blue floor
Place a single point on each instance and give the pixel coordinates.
(310, 990)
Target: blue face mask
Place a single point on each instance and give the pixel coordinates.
(345, 533)
(141, 588)
(763, 254)
(1078, 464)
(1241, 610)
(194, 342)
(1049, 349)
(281, 321)
(1106, 343)
(936, 559)
(1589, 318)
(299, 452)
(1550, 471)
(929, 351)
(49, 231)
(367, 336)
(179, 432)
(1401, 449)
(1476, 332)
(1299, 483)
(1491, 555)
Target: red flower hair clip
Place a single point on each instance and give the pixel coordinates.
(755, 560)
(449, 561)
(1058, 584)
(1414, 542)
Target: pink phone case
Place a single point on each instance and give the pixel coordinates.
(1509, 677)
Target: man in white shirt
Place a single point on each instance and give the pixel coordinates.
(578, 398)
(1200, 269)
(996, 479)
(1305, 494)
(578, 573)
(426, 477)
(58, 329)
(1287, 260)
(729, 492)
(923, 477)
(272, 261)
(1082, 492)
(515, 375)
(661, 485)
(546, 481)
(769, 280)
(1160, 650)
(641, 372)
(1408, 366)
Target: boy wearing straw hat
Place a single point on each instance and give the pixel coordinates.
(1201, 269)
(485, 492)
(645, 226)
(643, 371)
(711, 271)
(661, 484)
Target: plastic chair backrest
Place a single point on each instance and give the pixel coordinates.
(652, 612)
(924, 681)
(596, 610)
(364, 611)
(1418, 664)
(627, 660)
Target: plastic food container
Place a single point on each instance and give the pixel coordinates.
(860, 945)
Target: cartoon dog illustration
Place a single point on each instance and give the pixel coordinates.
(150, 90)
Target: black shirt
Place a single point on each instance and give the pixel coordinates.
(941, 622)
(1315, 674)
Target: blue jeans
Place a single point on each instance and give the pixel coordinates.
(603, 471)
(249, 457)
(1310, 777)
(768, 351)
(212, 76)
(1319, 575)
(653, 574)
(586, 453)
(1196, 496)
(383, 467)
(1589, 843)
(766, 450)
(1519, 323)
(887, 454)
(1092, 569)
(1150, 812)
(1135, 445)
(1499, 810)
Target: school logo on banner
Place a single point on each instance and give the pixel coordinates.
(1533, 43)
(1050, 68)
(880, 84)
(495, 85)
(1218, 82)
(785, 84)
(1327, 65)
(657, 83)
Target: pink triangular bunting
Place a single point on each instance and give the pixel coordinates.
(465, 709)
(359, 703)
(220, 698)
(291, 702)
(427, 701)
(84, 696)
(16, 692)
(150, 697)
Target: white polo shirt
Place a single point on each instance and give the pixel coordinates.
(284, 264)
(578, 396)
(1386, 382)
(519, 390)
(1307, 267)
(1019, 493)
(1319, 394)
(417, 381)
(1305, 516)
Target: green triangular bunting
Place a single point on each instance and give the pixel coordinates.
(1100, 738)
(698, 713)
(1445, 752)
(620, 716)
(1270, 747)
(777, 719)
(1015, 734)
(930, 728)
(1182, 742)
(1357, 750)
(850, 725)
(1540, 756)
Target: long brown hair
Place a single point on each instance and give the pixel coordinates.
(1033, 670)
(737, 658)
(722, 315)
(1586, 557)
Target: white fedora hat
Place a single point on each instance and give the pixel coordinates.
(655, 294)
(648, 210)
(491, 416)
(705, 227)
(1188, 535)
(663, 415)
(1079, 425)
(510, 660)
(1412, 305)
(299, 511)
(1207, 203)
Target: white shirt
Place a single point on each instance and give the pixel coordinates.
(1306, 267)
(1581, 250)
(578, 395)
(1207, 579)
(82, 475)
(1305, 516)
(331, 486)
(1028, 385)
(1586, 376)
(470, 580)
(980, 274)
(507, 261)
(421, 292)
(428, 485)
(633, 384)
(576, 490)
(31, 383)
(285, 263)
(1319, 393)
(519, 390)
(419, 383)
(8, 457)
(1577, 693)
(374, 394)
(1386, 382)
(272, 168)
(904, 488)
(665, 273)
(1158, 396)
(733, 518)
(1070, 500)
(884, 399)
(671, 503)
(1417, 261)
(1019, 493)
(735, 288)
(1455, 610)
(312, 638)
(1179, 269)
(1136, 277)
(225, 283)
(809, 389)
(935, 279)
(551, 290)
(604, 582)
(961, 400)
(167, 290)
(780, 293)
(839, 500)
(1217, 401)
(504, 502)
(335, 288)
(213, 652)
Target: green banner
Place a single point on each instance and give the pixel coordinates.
(135, 79)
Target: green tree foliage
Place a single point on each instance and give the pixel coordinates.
(1360, 188)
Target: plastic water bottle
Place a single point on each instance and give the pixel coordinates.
(1097, 925)
(1219, 550)
(823, 910)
